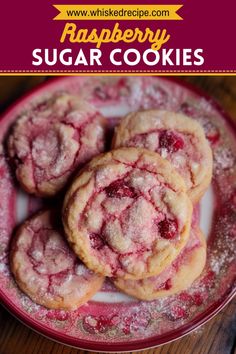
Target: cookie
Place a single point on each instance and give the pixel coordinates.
(177, 277)
(127, 214)
(52, 139)
(46, 269)
(175, 137)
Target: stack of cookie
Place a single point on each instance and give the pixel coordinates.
(129, 214)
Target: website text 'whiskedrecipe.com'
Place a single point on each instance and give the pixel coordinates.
(104, 12)
(134, 13)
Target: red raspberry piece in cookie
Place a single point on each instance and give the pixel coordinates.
(176, 277)
(51, 140)
(176, 137)
(119, 189)
(168, 228)
(170, 141)
(96, 241)
(46, 269)
(127, 214)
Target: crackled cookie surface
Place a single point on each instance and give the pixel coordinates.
(177, 277)
(175, 137)
(127, 214)
(51, 140)
(46, 269)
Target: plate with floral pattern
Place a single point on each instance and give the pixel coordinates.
(112, 321)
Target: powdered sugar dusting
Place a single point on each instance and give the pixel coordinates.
(224, 159)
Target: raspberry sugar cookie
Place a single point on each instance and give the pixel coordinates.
(49, 141)
(127, 214)
(175, 137)
(46, 269)
(177, 277)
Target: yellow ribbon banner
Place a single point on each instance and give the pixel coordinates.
(118, 12)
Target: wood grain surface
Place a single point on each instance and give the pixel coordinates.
(218, 336)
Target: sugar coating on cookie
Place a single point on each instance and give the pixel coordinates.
(49, 141)
(175, 137)
(177, 277)
(127, 214)
(46, 269)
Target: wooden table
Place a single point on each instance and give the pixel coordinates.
(215, 337)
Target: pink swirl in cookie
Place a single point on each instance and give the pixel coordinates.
(51, 140)
(127, 214)
(46, 269)
(175, 137)
(176, 277)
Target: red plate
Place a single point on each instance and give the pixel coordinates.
(112, 321)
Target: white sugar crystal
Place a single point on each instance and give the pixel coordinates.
(37, 255)
(164, 153)
(80, 269)
(195, 166)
